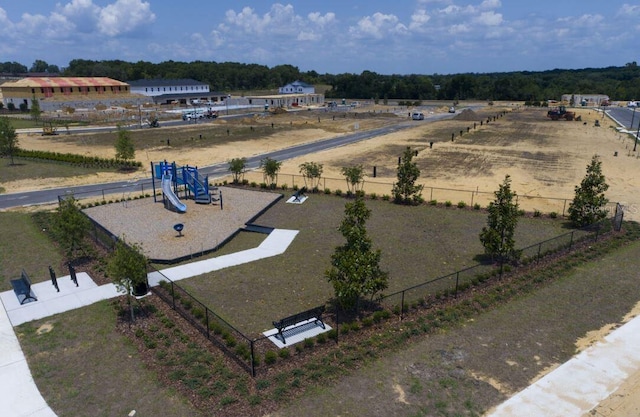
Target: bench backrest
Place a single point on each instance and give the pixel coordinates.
(24, 277)
(296, 318)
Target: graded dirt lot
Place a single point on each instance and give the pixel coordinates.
(545, 159)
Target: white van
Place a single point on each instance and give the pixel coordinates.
(416, 115)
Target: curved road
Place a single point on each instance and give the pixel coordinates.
(218, 170)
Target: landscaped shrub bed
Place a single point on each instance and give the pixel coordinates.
(79, 160)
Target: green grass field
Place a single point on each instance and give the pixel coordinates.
(83, 359)
(417, 244)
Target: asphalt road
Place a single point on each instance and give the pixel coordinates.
(214, 171)
(628, 118)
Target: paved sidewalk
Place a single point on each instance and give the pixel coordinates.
(579, 385)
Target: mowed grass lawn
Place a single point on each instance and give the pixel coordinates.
(84, 366)
(418, 243)
(24, 245)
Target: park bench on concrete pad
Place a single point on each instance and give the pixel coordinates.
(298, 197)
(22, 288)
(291, 322)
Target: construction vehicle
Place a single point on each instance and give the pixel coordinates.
(48, 129)
(153, 122)
(560, 112)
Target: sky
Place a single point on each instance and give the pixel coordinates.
(329, 36)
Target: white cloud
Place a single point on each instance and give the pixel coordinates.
(489, 19)
(457, 29)
(629, 11)
(490, 4)
(322, 20)
(377, 26)
(83, 13)
(419, 20)
(125, 16)
(279, 20)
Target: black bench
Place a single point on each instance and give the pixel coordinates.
(314, 313)
(22, 288)
(299, 194)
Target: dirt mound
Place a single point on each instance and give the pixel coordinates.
(279, 110)
(467, 114)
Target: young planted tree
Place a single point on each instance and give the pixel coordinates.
(405, 190)
(312, 172)
(127, 268)
(270, 168)
(589, 202)
(70, 226)
(497, 237)
(35, 109)
(355, 178)
(355, 266)
(124, 145)
(8, 138)
(237, 167)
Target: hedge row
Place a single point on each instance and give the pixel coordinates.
(74, 159)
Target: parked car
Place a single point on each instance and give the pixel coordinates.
(192, 115)
(452, 109)
(416, 115)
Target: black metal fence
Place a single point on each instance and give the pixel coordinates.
(231, 341)
(246, 350)
(451, 284)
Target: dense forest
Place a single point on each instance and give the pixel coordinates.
(619, 83)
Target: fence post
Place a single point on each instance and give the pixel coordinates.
(402, 307)
(564, 206)
(455, 293)
(253, 362)
(173, 295)
(539, 250)
(571, 240)
(471, 199)
(337, 325)
(206, 315)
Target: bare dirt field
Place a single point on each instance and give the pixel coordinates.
(545, 159)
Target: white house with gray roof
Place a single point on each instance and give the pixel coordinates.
(297, 87)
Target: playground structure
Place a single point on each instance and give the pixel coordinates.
(186, 179)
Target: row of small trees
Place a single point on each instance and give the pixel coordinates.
(9, 144)
(355, 265)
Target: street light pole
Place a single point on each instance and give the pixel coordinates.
(227, 103)
(632, 117)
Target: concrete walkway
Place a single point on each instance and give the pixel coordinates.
(20, 395)
(579, 385)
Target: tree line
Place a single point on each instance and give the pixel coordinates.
(619, 83)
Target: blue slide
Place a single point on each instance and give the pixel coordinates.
(170, 195)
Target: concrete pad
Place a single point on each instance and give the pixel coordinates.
(52, 302)
(299, 200)
(297, 333)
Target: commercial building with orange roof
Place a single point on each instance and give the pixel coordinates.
(61, 88)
